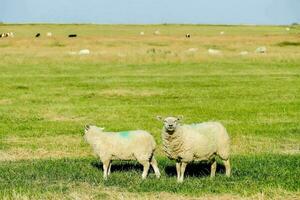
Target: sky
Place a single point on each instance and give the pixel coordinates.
(151, 11)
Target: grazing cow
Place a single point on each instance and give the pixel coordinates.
(188, 35)
(37, 35)
(72, 35)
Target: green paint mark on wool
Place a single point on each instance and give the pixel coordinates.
(124, 134)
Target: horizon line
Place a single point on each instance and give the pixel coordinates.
(146, 24)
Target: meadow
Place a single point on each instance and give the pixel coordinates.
(48, 94)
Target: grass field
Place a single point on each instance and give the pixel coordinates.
(48, 95)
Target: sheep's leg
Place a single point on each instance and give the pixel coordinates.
(182, 169)
(146, 166)
(105, 169)
(109, 168)
(155, 167)
(227, 167)
(178, 165)
(213, 169)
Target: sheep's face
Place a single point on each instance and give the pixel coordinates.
(170, 123)
(89, 129)
(86, 130)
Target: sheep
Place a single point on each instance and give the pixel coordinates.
(127, 145)
(244, 53)
(214, 51)
(196, 142)
(157, 32)
(84, 52)
(187, 35)
(4, 34)
(261, 49)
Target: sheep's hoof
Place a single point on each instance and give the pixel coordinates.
(180, 181)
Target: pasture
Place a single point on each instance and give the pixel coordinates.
(49, 92)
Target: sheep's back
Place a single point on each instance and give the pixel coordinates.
(212, 139)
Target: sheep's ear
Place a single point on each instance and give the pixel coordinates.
(180, 117)
(159, 118)
(87, 127)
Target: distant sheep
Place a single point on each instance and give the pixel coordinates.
(244, 53)
(214, 51)
(128, 145)
(72, 35)
(49, 34)
(2, 35)
(262, 49)
(84, 52)
(157, 32)
(196, 142)
(9, 34)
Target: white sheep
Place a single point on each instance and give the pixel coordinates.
(196, 142)
(127, 145)
(214, 51)
(261, 49)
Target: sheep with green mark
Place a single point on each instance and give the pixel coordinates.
(126, 145)
(195, 142)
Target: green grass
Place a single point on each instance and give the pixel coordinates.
(251, 175)
(47, 96)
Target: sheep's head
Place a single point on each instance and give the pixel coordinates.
(170, 123)
(91, 128)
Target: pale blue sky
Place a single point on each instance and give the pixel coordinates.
(151, 11)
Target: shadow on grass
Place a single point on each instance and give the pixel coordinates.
(195, 169)
(119, 166)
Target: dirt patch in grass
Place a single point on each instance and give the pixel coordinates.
(23, 148)
(128, 92)
(5, 101)
(259, 144)
(52, 116)
(18, 148)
